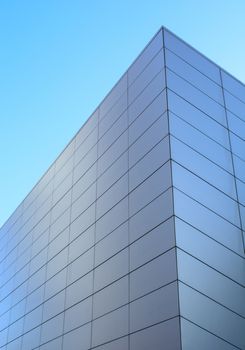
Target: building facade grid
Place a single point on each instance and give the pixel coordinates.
(134, 237)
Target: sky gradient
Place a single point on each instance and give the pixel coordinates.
(59, 58)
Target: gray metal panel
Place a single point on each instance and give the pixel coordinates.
(89, 257)
(165, 334)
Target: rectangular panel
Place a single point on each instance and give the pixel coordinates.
(236, 124)
(79, 290)
(210, 252)
(165, 335)
(17, 311)
(239, 166)
(44, 209)
(82, 243)
(52, 328)
(200, 309)
(58, 244)
(233, 85)
(205, 194)
(19, 293)
(145, 77)
(234, 105)
(237, 146)
(154, 243)
(242, 213)
(60, 207)
(79, 267)
(3, 337)
(151, 215)
(36, 279)
(111, 244)
(60, 224)
(154, 307)
(113, 114)
(61, 190)
(83, 202)
(192, 56)
(116, 149)
(42, 224)
(241, 191)
(113, 133)
(193, 337)
(148, 140)
(32, 319)
(152, 161)
(201, 143)
(35, 298)
(83, 222)
(31, 340)
(145, 57)
(55, 284)
(84, 182)
(24, 245)
(78, 339)
(110, 326)
(147, 96)
(111, 270)
(57, 263)
(113, 96)
(65, 155)
(152, 187)
(4, 319)
(112, 219)
(15, 329)
(112, 196)
(86, 146)
(86, 129)
(210, 282)
(119, 344)
(16, 344)
(158, 272)
(55, 344)
(78, 315)
(203, 167)
(38, 261)
(84, 165)
(147, 117)
(195, 96)
(21, 276)
(112, 174)
(193, 76)
(63, 172)
(111, 297)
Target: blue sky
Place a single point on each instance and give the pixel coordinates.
(59, 58)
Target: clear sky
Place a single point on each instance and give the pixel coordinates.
(58, 59)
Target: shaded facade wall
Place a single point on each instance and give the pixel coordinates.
(133, 238)
(90, 256)
(207, 128)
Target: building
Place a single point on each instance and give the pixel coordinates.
(133, 239)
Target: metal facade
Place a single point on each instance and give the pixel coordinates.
(133, 239)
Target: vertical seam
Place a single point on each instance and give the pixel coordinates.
(95, 225)
(232, 160)
(46, 265)
(28, 282)
(128, 218)
(69, 240)
(171, 174)
(10, 310)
